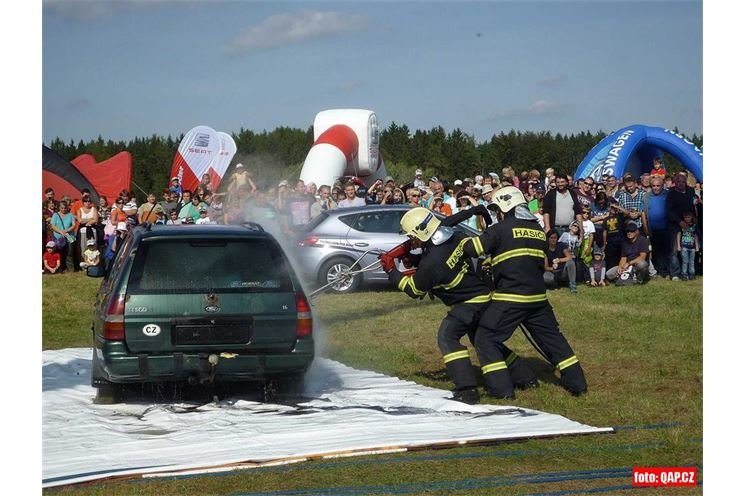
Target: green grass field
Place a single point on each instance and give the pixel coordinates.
(641, 348)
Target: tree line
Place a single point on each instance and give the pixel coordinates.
(280, 153)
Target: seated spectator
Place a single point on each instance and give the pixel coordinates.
(91, 255)
(558, 263)
(203, 217)
(634, 253)
(597, 268)
(173, 219)
(51, 259)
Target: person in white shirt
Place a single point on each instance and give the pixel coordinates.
(350, 197)
(203, 218)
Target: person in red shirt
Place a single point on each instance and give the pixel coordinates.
(51, 259)
(657, 168)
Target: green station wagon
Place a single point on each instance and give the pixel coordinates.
(200, 304)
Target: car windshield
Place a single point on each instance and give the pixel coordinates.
(198, 266)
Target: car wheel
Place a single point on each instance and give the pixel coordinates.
(335, 269)
(107, 393)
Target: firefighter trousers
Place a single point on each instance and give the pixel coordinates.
(463, 319)
(498, 323)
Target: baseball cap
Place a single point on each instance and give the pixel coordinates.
(628, 177)
(389, 178)
(238, 166)
(479, 178)
(630, 227)
(418, 172)
(282, 183)
(457, 182)
(597, 251)
(202, 209)
(494, 175)
(90, 242)
(121, 226)
(50, 244)
(486, 189)
(174, 178)
(434, 179)
(188, 220)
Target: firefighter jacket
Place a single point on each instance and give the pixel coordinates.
(515, 250)
(445, 270)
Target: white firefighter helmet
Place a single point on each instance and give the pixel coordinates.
(508, 198)
(419, 222)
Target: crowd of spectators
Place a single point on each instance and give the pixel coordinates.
(621, 230)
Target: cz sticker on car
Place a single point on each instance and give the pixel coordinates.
(151, 330)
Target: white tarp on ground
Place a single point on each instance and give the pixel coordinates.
(346, 410)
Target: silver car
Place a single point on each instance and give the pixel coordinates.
(334, 240)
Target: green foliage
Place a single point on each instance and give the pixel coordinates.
(279, 154)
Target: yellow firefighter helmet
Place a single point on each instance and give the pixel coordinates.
(420, 223)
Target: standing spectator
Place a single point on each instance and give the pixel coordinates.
(324, 202)
(644, 183)
(611, 187)
(130, 205)
(65, 225)
(148, 211)
(48, 195)
(414, 196)
(657, 218)
(190, 209)
(439, 205)
(633, 255)
(117, 213)
(398, 197)
(350, 197)
(239, 178)
(584, 192)
(561, 207)
(115, 242)
(88, 221)
(549, 178)
(632, 202)
(51, 259)
(170, 203)
(297, 208)
(104, 209)
(216, 208)
(680, 199)
(508, 174)
(597, 268)
(600, 212)
(559, 264)
(586, 247)
(523, 181)
(614, 238)
(419, 179)
(206, 183)
(688, 246)
(657, 168)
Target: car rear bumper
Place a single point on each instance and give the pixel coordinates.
(117, 365)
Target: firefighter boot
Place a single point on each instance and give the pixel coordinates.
(521, 374)
(469, 396)
(499, 385)
(573, 379)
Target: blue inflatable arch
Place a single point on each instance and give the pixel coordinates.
(633, 148)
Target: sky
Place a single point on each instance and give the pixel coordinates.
(127, 69)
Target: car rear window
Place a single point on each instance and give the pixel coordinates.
(198, 266)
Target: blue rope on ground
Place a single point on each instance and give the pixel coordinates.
(668, 425)
(456, 485)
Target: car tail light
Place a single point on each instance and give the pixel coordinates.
(113, 324)
(304, 318)
(311, 241)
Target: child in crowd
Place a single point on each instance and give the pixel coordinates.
(597, 268)
(51, 259)
(91, 255)
(586, 246)
(571, 239)
(175, 187)
(203, 217)
(688, 246)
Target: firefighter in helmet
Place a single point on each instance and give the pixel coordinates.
(516, 247)
(445, 271)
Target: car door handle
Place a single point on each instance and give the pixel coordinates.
(362, 244)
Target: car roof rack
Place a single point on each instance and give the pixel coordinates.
(253, 226)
